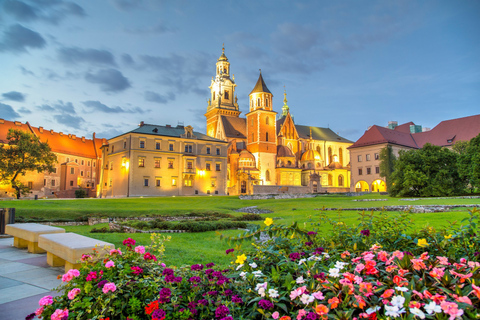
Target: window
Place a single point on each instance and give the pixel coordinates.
(145, 182)
(141, 162)
(113, 149)
(226, 94)
(81, 173)
(53, 183)
(188, 148)
(142, 144)
(44, 182)
(30, 184)
(267, 175)
(377, 156)
(88, 163)
(71, 183)
(367, 157)
(111, 165)
(251, 122)
(94, 164)
(110, 183)
(360, 172)
(72, 170)
(189, 164)
(170, 147)
(377, 169)
(266, 103)
(157, 163)
(267, 121)
(208, 150)
(157, 145)
(207, 166)
(258, 102)
(174, 181)
(213, 182)
(170, 164)
(157, 182)
(266, 136)
(124, 144)
(369, 170)
(218, 151)
(76, 160)
(217, 166)
(83, 162)
(88, 174)
(68, 160)
(188, 182)
(359, 158)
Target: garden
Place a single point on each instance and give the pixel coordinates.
(302, 261)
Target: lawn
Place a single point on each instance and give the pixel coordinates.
(190, 248)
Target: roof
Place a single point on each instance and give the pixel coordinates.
(58, 141)
(168, 131)
(260, 86)
(284, 151)
(404, 127)
(234, 127)
(319, 133)
(446, 133)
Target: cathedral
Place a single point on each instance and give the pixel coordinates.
(270, 153)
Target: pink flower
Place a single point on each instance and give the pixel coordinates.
(140, 249)
(39, 312)
(110, 286)
(301, 314)
(443, 260)
(359, 267)
(382, 256)
(398, 254)
(464, 300)
(297, 292)
(318, 295)
(73, 293)
(60, 314)
(437, 272)
(117, 251)
(45, 301)
(70, 275)
(275, 315)
(109, 264)
(451, 308)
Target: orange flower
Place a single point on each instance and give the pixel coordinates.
(399, 281)
(360, 302)
(322, 309)
(476, 290)
(333, 302)
(388, 293)
(345, 254)
(366, 289)
(391, 268)
(285, 318)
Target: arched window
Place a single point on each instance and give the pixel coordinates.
(214, 95)
(266, 102)
(318, 149)
(340, 156)
(340, 181)
(266, 136)
(267, 121)
(226, 94)
(258, 102)
(330, 156)
(289, 163)
(330, 182)
(267, 175)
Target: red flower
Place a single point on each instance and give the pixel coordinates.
(152, 306)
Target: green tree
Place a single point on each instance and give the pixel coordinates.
(469, 164)
(23, 152)
(387, 165)
(426, 172)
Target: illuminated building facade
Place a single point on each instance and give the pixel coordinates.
(154, 160)
(267, 150)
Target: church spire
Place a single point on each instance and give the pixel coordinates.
(285, 108)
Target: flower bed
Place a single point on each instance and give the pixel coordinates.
(291, 276)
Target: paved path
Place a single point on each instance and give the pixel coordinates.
(24, 279)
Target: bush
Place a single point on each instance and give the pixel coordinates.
(80, 193)
(249, 217)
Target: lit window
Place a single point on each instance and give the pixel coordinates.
(213, 182)
(174, 181)
(157, 163)
(141, 162)
(367, 157)
(170, 164)
(142, 144)
(217, 166)
(207, 167)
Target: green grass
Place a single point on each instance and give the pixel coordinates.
(191, 248)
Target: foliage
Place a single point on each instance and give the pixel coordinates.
(469, 163)
(430, 171)
(80, 193)
(249, 217)
(187, 225)
(387, 165)
(23, 152)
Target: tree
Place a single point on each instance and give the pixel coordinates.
(23, 152)
(426, 172)
(387, 163)
(469, 163)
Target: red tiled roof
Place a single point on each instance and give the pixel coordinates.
(379, 135)
(234, 127)
(6, 125)
(404, 127)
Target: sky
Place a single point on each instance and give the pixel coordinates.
(105, 65)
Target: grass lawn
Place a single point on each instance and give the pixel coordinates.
(191, 248)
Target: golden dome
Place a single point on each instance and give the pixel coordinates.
(311, 155)
(284, 151)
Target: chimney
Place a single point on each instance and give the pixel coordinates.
(51, 131)
(83, 139)
(74, 137)
(18, 123)
(141, 123)
(392, 124)
(60, 133)
(2, 121)
(40, 129)
(70, 135)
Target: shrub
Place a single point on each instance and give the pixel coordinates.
(80, 193)
(249, 217)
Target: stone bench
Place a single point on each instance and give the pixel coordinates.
(25, 235)
(67, 248)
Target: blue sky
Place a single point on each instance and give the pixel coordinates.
(103, 66)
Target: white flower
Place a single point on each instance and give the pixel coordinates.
(243, 274)
(334, 272)
(417, 312)
(340, 265)
(300, 280)
(261, 285)
(253, 265)
(261, 292)
(398, 301)
(314, 257)
(257, 273)
(273, 293)
(239, 267)
(432, 307)
(301, 261)
(393, 311)
(403, 289)
(306, 299)
(372, 310)
(326, 255)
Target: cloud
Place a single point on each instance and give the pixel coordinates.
(98, 106)
(45, 107)
(24, 110)
(69, 120)
(110, 80)
(74, 55)
(60, 106)
(158, 98)
(127, 4)
(7, 112)
(14, 96)
(26, 72)
(49, 11)
(127, 59)
(17, 38)
(156, 29)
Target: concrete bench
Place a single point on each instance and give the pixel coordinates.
(67, 248)
(25, 235)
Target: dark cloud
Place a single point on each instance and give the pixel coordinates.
(96, 106)
(65, 107)
(14, 96)
(157, 29)
(17, 38)
(45, 107)
(24, 110)
(155, 97)
(110, 80)
(74, 55)
(127, 59)
(49, 11)
(7, 112)
(26, 72)
(69, 120)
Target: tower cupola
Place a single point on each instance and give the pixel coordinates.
(260, 97)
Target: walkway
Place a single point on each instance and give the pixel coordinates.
(24, 279)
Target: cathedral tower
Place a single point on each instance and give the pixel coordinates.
(261, 130)
(223, 101)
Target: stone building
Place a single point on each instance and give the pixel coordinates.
(364, 153)
(154, 160)
(266, 151)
